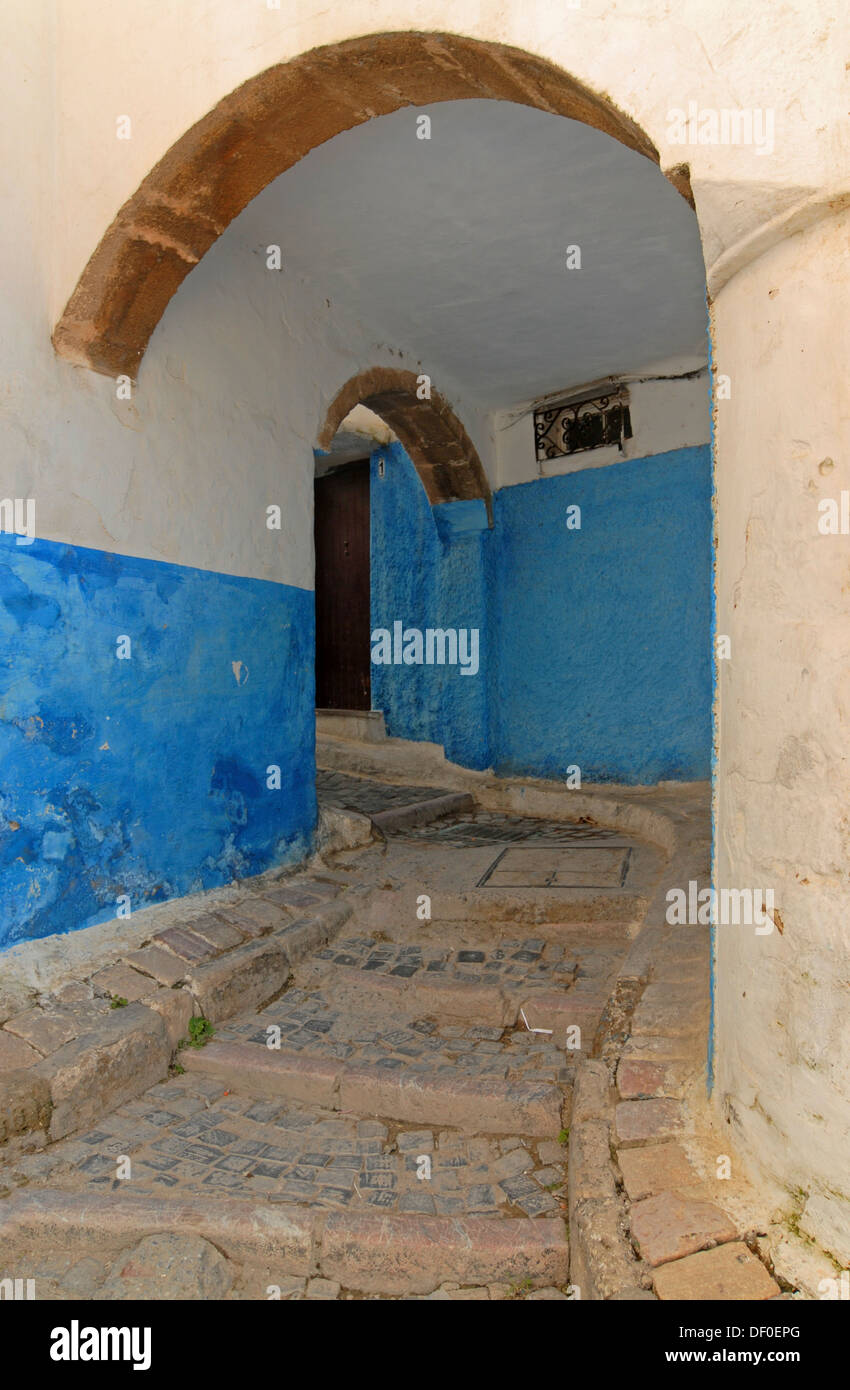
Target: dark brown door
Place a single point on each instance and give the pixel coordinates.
(342, 588)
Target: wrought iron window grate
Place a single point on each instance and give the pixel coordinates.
(574, 428)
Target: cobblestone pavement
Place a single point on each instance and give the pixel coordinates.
(533, 961)
(191, 1137)
(367, 797)
(309, 1021)
(258, 1128)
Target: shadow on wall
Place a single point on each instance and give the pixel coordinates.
(595, 647)
(137, 736)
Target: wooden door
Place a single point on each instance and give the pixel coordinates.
(342, 588)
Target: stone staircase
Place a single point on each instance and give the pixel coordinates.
(379, 1105)
(400, 1135)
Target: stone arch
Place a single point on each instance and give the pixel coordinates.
(440, 448)
(264, 127)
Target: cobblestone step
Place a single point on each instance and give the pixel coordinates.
(499, 983)
(262, 1249)
(380, 1109)
(439, 1096)
(292, 1189)
(320, 1024)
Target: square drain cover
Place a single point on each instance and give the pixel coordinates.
(574, 867)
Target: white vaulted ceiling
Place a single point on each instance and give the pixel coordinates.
(453, 249)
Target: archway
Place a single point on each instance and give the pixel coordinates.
(213, 171)
(433, 436)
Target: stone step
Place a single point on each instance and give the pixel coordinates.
(423, 812)
(551, 912)
(368, 1251)
(504, 985)
(475, 1104)
(283, 1189)
(361, 725)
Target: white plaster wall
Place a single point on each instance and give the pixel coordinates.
(457, 245)
(205, 404)
(783, 1042)
(664, 414)
(239, 373)
(164, 475)
(167, 65)
(234, 386)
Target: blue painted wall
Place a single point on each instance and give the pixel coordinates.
(428, 570)
(604, 632)
(595, 643)
(146, 776)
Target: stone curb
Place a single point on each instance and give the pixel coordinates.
(383, 1253)
(25, 1104)
(269, 1074)
(283, 1234)
(253, 974)
(245, 979)
(467, 1103)
(603, 1263)
(376, 1253)
(423, 812)
(101, 1070)
(340, 829)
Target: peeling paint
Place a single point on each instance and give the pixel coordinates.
(181, 804)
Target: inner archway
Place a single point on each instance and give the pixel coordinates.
(433, 436)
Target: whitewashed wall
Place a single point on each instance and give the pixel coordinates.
(664, 415)
(783, 1043)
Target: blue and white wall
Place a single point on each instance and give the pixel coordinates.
(429, 569)
(595, 640)
(135, 773)
(128, 779)
(145, 775)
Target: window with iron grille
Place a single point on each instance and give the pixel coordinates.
(575, 427)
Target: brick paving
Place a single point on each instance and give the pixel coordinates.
(692, 1249)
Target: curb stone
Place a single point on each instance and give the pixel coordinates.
(602, 1261)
